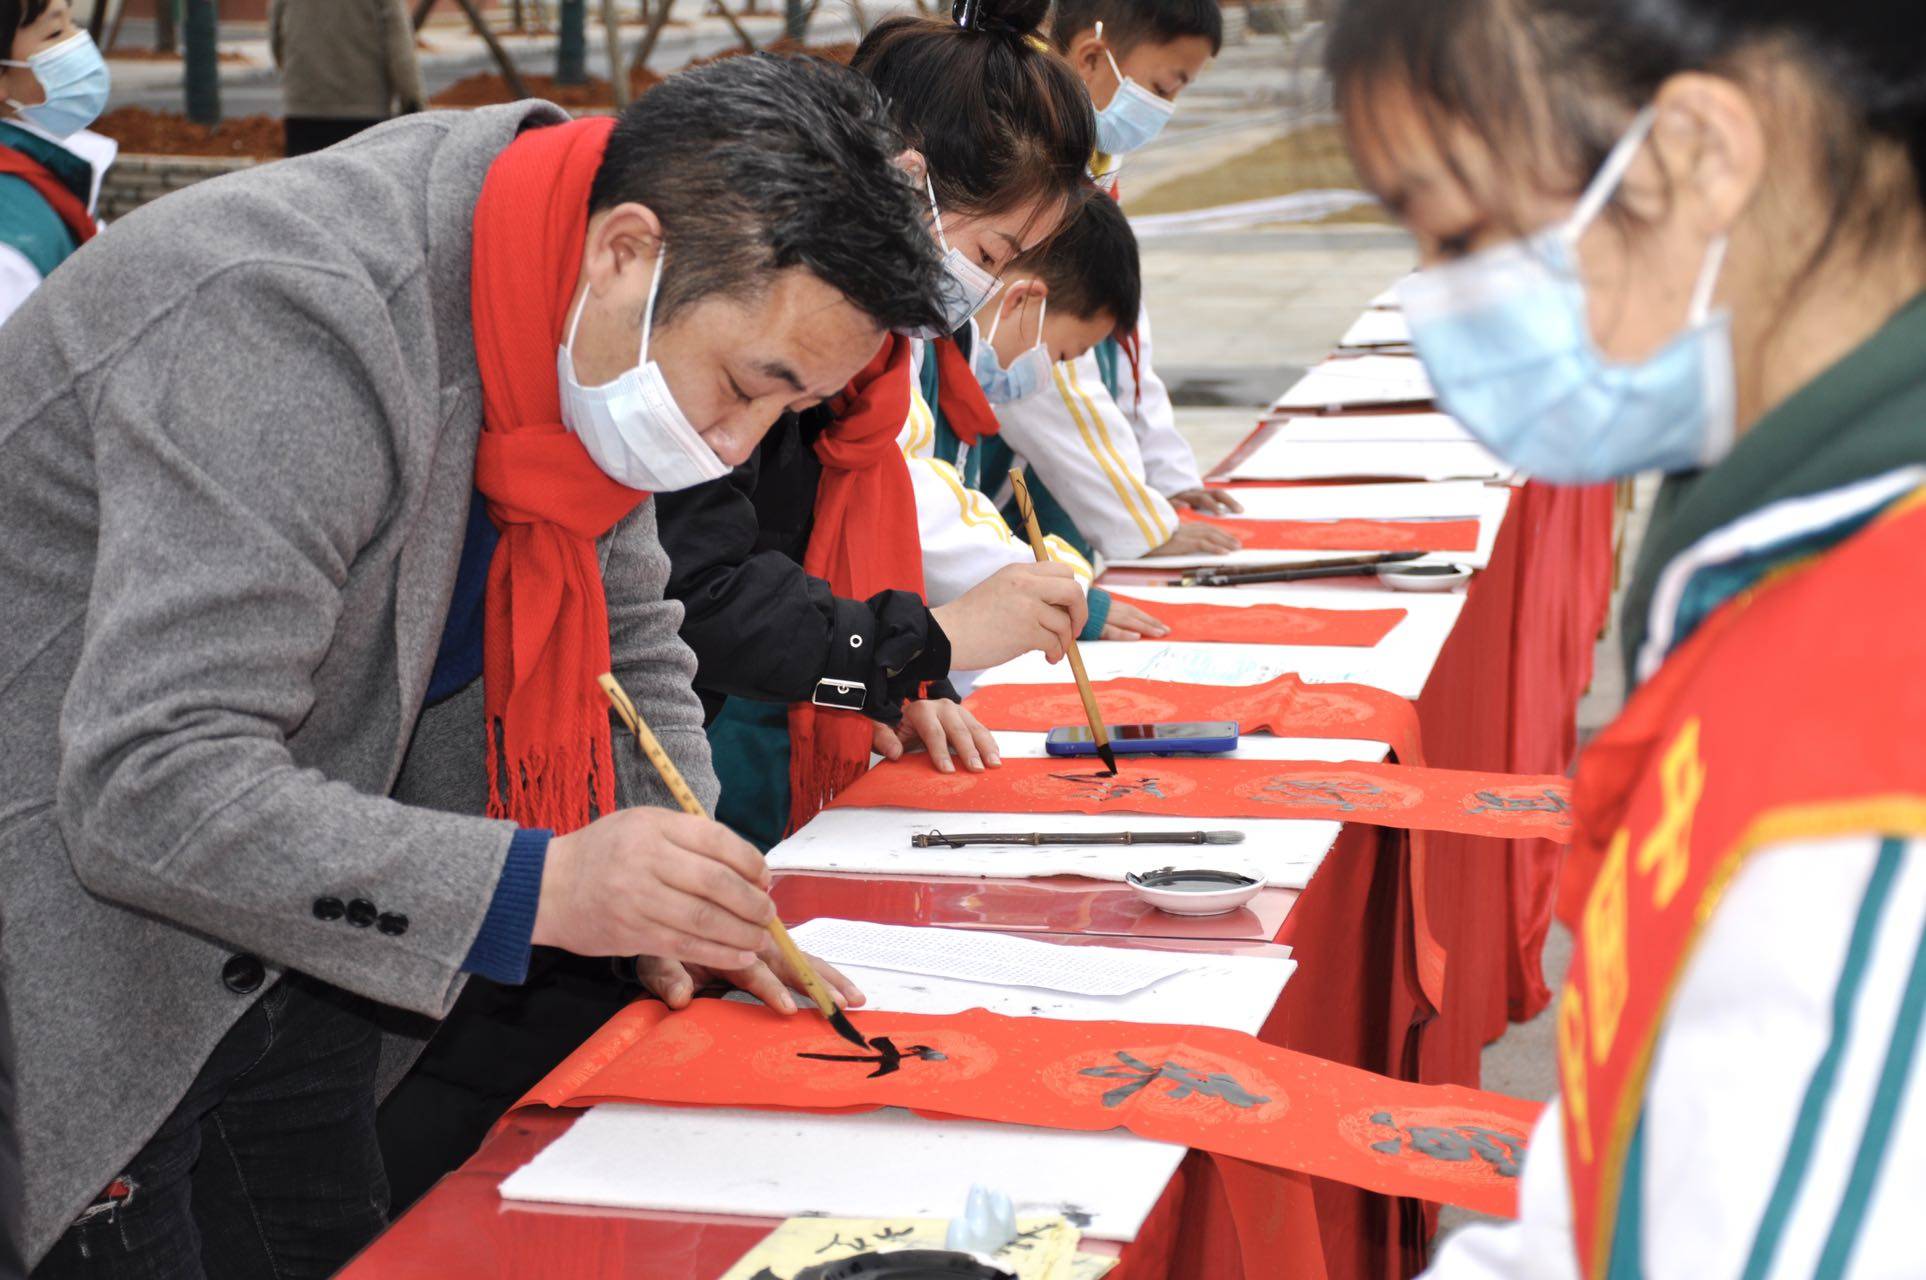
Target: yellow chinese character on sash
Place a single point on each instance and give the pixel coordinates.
(1574, 1095)
(1606, 980)
(1667, 851)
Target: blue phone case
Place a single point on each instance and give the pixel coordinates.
(1148, 746)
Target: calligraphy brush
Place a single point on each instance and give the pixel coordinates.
(1345, 567)
(937, 840)
(1098, 734)
(672, 778)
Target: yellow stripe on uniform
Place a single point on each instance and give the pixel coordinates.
(1096, 440)
(922, 428)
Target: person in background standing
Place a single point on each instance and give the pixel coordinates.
(346, 65)
(53, 84)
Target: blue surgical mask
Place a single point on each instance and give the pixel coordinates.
(966, 285)
(1505, 338)
(1028, 374)
(1135, 115)
(74, 76)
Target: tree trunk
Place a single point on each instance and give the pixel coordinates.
(612, 32)
(571, 52)
(200, 32)
(167, 38)
(795, 20)
(657, 20)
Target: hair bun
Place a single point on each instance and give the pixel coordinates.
(1014, 19)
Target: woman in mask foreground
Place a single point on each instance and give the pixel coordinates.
(1687, 236)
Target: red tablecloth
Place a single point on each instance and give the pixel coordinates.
(1502, 696)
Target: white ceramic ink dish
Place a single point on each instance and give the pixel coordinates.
(1423, 577)
(1195, 891)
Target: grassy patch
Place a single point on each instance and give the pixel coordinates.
(1308, 159)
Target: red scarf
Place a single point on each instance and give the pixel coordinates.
(864, 540)
(70, 207)
(547, 631)
(960, 395)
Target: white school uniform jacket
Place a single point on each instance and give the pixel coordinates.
(1785, 1118)
(1111, 460)
(965, 538)
(19, 276)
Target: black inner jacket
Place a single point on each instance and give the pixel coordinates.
(762, 628)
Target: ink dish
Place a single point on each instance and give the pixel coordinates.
(1194, 891)
(1423, 577)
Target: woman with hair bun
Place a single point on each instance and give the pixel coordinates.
(833, 582)
(1690, 236)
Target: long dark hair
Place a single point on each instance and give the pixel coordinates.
(1550, 84)
(1002, 121)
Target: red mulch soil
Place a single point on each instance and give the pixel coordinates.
(833, 52)
(486, 88)
(143, 132)
(118, 53)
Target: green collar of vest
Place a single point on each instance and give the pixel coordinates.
(74, 173)
(1860, 418)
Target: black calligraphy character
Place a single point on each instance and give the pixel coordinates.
(887, 1058)
(1025, 1240)
(1332, 792)
(1546, 801)
(836, 1243)
(1101, 788)
(1501, 1151)
(888, 1234)
(1184, 1081)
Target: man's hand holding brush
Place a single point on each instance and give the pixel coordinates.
(685, 894)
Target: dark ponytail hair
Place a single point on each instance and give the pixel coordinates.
(1002, 121)
(1553, 82)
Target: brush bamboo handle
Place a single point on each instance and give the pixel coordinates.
(679, 788)
(1098, 732)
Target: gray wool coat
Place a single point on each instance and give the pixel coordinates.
(237, 438)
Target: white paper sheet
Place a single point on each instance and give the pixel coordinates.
(1399, 500)
(1447, 500)
(1286, 852)
(1287, 459)
(888, 1163)
(1401, 662)
(1388, 300)
(1377, 329)
(1373, 426)
(1359, 380)
(977, 955)
(891, 1163)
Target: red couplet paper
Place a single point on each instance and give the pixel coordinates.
(1344, 535)
(1270, 623)
(1203, 1087)
(1504, 805)
(1286, 707)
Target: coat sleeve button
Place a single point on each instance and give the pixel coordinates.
(392, 923)
(243, 974)
(329, 909)
(361, 913)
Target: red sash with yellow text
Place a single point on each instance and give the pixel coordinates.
(1791, 714)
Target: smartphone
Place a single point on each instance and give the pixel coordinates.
(1191, 737)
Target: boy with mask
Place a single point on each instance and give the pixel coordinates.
(53, 84)
(1102, 437)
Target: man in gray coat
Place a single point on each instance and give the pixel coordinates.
(242, 862)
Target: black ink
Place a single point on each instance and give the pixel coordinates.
(1100, 788)
(888, 1059)
(1187, 1082)
(1501, 1151)
(1546, 801)
(1335, 793)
